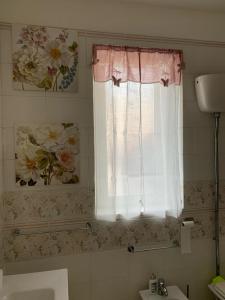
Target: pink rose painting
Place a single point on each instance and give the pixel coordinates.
(44, 58)
(47, 154)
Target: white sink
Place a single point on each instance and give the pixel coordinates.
(49, 285)
(174, 293)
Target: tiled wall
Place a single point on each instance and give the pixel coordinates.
(32, 209)
(1, 180)
(61, 208)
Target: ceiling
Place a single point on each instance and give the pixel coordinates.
(203, 5)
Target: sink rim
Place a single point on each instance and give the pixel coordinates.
(174, 293)
(14, 294)
(57, 280)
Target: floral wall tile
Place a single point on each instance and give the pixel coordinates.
(47, 154)
(203, 227)
(22, 247)
(198, 194)
(110, 235)
(151, 231)
(105, 236)
(44, 58)
(33, 208)
(27, 206)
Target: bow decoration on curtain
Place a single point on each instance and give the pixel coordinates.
(145, 65)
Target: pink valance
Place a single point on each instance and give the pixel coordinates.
(145, 65)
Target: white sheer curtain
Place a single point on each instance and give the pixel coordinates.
(138, 150)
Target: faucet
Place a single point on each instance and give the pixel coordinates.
(162, 290)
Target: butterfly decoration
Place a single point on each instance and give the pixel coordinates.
(116, 82)
(165, 81)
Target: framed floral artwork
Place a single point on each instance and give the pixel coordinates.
(44, 58)
(47, 154)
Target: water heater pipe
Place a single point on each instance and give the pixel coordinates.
(216, 182)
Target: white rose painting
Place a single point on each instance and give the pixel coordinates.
(44, 58)
(47, 154)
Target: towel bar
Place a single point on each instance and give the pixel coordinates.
(131, 248)
(29, 231)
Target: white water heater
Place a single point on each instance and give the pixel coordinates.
(210, 91)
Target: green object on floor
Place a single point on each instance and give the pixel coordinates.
(217, 279)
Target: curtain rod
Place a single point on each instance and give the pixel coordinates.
(136, 37)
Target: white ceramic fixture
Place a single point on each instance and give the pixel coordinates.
(219, 295)
(210, 91)
(49, 285)
(174, 293)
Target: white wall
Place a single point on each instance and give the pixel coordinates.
(119, 275)
(1, 176)
(116, 274)
(113, 16)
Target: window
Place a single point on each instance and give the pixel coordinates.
(138, 132)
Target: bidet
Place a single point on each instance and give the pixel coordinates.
(174, 293)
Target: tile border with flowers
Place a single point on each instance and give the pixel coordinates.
(37, 209)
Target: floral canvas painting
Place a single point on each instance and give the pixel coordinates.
(47, 154)
(44, 58)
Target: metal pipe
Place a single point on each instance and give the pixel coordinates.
(18, 231)
(132, 249)
(216, 182)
